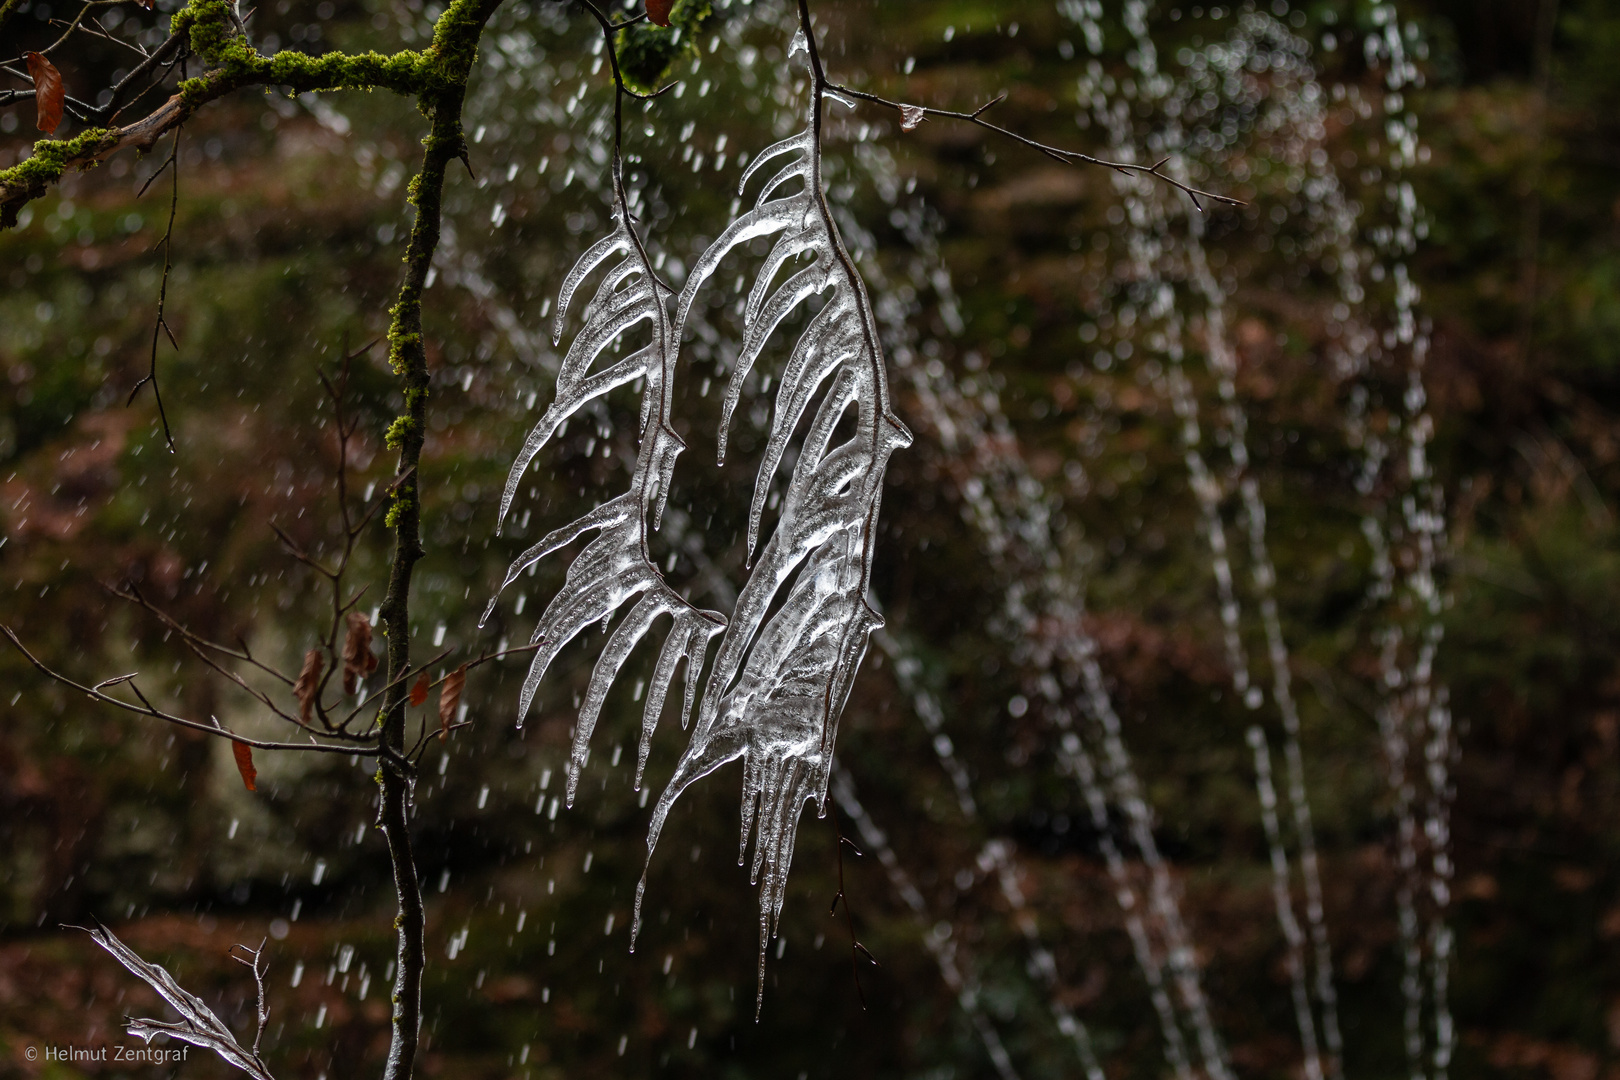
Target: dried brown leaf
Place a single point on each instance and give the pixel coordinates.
(244, 764)
(308, 686)
(658, 11)
(419, 692)
(49, 92)
(449, 698)
(358, 659)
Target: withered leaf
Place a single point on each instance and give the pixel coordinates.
(419, 692)
(244, 764)
(308, 686)
(658, 11)
(911, 116)
(358, 661)
(48, 91)
(449, 698)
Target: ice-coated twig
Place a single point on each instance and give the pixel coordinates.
(261, 1010)
(785, 664)
(197, 1024)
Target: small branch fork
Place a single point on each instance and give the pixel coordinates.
(161, 323)
(856, 949)
(258, 965)
(128, 89)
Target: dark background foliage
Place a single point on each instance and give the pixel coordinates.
(288, 237)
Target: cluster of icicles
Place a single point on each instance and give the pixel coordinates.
(785, 663)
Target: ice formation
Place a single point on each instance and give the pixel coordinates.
(782, 673)
(615, 567)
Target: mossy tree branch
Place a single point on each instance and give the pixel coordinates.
(210, 31)
(441, 94)
(437, 78)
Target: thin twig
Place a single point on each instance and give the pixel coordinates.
(258, 967)
(146, 708)
(163, 291)
(855, 947)
(910, 114)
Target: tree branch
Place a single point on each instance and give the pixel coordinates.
(210, 30)
(912, 115)
(146, 708)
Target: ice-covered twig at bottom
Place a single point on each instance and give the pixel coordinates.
(197, 1025)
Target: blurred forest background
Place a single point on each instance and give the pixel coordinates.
(290, 225)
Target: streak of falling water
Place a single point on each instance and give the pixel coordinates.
(1414, 704)
(1158, 257)
(1013, 512)
(997, 855)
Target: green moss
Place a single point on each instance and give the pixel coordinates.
(51, 158)
(211, 29)
(647, 52)
(213, 37)
(396, 511)
(395, 438)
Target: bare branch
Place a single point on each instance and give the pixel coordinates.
(365, 745)
(259, 967)
(911, 115)
(173, 164)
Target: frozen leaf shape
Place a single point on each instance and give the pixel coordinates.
(911, 116)
(784, 669)
(615, 567)
(197, 1025)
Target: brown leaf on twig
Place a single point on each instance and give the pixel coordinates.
(420, 690)
(48, 91)
(449, 698)
(308, 686)
(358, 661)
(244, 764)
(658, 11)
